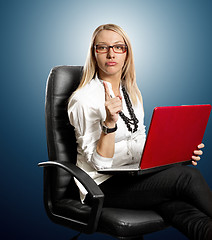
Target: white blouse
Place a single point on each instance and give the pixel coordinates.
(86, 111)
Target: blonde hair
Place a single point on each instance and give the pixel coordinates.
(128, 72)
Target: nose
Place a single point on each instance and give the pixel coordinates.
(110, 53)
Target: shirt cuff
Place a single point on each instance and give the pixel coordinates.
(100, 162)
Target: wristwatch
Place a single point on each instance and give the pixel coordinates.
(107, 130)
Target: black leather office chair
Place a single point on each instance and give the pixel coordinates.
(61, 197)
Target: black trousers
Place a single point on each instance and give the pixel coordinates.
(180, 195)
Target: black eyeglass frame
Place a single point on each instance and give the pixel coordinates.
(111, 46)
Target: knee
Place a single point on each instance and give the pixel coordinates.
(191, 172)
(189, 176)
(185, 170)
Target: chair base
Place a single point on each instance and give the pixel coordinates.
(76, 237)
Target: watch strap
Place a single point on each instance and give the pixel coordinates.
(107, 130)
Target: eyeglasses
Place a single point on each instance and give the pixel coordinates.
(117, 48)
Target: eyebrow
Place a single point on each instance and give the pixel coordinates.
(114, 42)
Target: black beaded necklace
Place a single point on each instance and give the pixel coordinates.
(133, 121)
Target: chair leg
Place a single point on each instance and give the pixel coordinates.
(137, 238)
(75, 237)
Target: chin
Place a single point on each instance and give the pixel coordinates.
(113, 71)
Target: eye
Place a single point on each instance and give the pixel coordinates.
(118, 47)
(101, 47)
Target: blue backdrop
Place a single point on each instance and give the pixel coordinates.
(172, 48)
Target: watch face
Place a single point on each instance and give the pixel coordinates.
(104, 129)
(107, 130)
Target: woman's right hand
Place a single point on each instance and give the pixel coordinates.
(112, 106)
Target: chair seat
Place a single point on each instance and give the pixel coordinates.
(120, 223)
(125, 223)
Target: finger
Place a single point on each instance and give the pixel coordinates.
(114, 105)
(113, 102)
(120, 97)
(198, 152)
(107, 92)
(118, 109)
(194, 163)
(202, 145)
(196, 158)
(120, 101)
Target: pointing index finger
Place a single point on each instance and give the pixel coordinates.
(107, 93)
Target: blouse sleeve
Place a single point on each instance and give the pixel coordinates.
(86, 121)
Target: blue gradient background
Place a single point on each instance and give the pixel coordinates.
(172, 48)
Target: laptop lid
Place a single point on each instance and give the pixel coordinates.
(174, 133)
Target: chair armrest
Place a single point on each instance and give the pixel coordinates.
(97, 196)
(79, 174)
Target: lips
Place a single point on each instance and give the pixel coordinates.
(111, 63)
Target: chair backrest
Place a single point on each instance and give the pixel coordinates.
(61, 142)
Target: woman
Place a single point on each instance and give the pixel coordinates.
(107, 113)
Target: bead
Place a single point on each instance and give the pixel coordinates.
(133, 121)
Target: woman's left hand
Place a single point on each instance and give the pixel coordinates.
(197, 154)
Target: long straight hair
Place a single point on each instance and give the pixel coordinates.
(128, 71)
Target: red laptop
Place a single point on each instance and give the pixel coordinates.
(174, 133)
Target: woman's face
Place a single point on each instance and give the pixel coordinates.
(110, 64)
